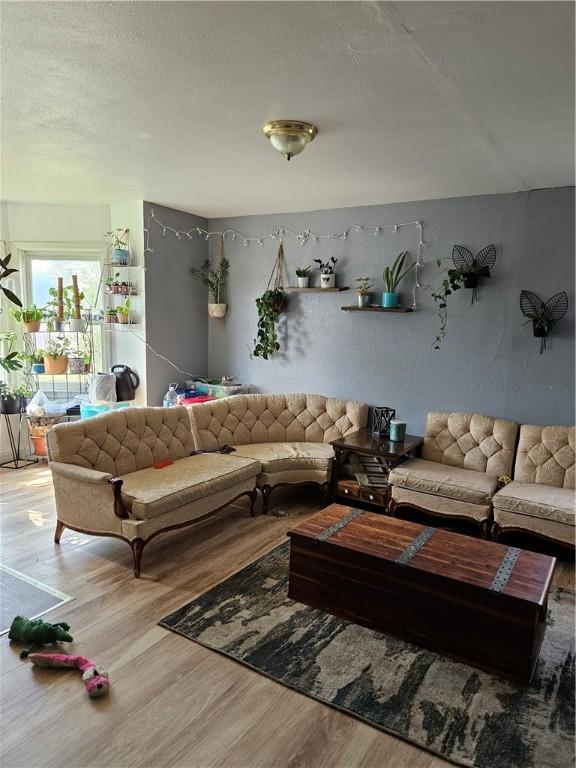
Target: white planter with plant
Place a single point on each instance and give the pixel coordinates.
(214, 278)
(392, 277)
(363, 291)
(303, 276)
(327, 272)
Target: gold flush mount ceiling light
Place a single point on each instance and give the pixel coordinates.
(289, 137)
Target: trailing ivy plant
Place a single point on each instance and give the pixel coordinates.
(451, 283)
(269, 306)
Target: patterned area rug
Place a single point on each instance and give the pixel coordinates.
(462, 714)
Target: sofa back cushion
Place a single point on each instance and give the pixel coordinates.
(245, 419)
(471, 441)
(545, 455)
(123, 441)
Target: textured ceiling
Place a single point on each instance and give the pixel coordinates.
(107, 101)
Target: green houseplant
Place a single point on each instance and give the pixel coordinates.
(214, 278)
(30, 317)
(13, 400)
(10, 361)
(56, 356)
(392, 276)
(269, 306)
(303, 276)
(327, 272)
(123, 312)
(363, 290)
(119, 238)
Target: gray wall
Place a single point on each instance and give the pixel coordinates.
(489, 361)
(176, 314)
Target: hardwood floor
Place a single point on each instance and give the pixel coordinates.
(172, 702)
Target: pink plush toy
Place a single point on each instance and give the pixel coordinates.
(96, 681)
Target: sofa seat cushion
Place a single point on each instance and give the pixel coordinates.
(538, 500)
(283, 457)
(150, 492)
(443, 480)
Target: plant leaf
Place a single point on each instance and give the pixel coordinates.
(486, 257)
(462, 258)
(530, 304)
(557, 306)
(11, 296)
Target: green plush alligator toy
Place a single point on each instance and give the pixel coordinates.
(38, 633)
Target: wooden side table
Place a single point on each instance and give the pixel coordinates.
(362, 463)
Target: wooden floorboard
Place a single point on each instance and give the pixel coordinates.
(172, 702)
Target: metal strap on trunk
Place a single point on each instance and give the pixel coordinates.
(505, 570)
(338, 525)
(416, 544)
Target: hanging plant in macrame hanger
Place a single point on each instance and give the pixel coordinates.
(270, 306)
(472, 268)
(543, 314)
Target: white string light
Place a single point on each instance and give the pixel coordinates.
(302, 238)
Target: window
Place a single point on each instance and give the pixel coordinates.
(40, 272)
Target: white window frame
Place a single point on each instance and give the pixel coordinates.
(77, 251)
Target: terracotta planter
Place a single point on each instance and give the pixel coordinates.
(53, 367)
(39, 445)
(33, 326)
(123, 319)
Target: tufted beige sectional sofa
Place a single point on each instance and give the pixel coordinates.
(106, 484)
(289, 435)
(462, 458)
(541, 497)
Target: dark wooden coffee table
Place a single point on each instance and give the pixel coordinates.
(362, 462)
(477, 601)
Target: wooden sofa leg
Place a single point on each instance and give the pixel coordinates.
(326, 492)
(495, 531)
(392, 505)
(58, 532)
(485, 526)
(137, 547)
(266, 490)
(253, 499)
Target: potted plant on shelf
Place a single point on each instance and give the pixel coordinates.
(13, 400)
(327, 272)
(87, 362)
(363, 290)
(110, 315)
(214, 278)
(120, 253)
(36, 360)
(75, 362)
(56, 356)
(303, 276)
(75, 306)
(392, 277)
(123, 312)
(31, 317)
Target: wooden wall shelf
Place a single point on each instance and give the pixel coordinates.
(376, 309)
(295, 289)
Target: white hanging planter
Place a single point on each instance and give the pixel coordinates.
(217, 310)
